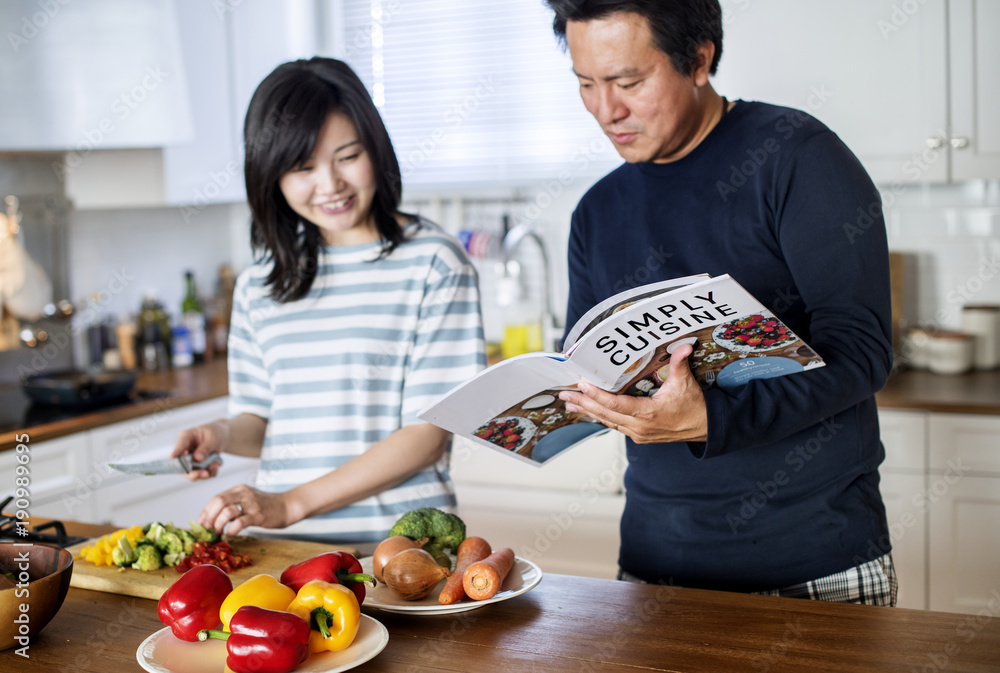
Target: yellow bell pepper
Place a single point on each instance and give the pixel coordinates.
(99, 553)
(332, 611)
(264, 591)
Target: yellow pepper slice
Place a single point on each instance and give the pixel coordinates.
(99, 553)
(332, 611)
(263, 590)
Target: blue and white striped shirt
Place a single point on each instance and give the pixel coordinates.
(370, 345)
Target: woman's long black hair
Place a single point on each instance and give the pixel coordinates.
(283, 121)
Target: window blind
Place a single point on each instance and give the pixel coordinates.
(473, 93)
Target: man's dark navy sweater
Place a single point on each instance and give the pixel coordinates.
(785, 490)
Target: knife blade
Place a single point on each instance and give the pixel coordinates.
(179, 465)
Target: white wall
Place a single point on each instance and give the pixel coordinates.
(118, 255)
(951, 237)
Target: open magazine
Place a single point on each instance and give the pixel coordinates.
(622, 345)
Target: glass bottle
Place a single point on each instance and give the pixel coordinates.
(194, 318)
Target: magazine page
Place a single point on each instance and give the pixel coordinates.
(622, 300)
(735, 340)
(514, 407)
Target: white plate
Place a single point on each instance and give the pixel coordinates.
(162, 652)
(539, 401)
(524, 576)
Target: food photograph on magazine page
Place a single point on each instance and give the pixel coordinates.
(726, 355)
(538, 428)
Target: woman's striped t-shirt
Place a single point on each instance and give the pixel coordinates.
(372, 344)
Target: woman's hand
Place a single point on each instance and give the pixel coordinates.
(243, 506)
(199, 443)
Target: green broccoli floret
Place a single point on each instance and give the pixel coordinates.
(149, 558)
(170, 544)
(202, 534)
(443, 530)
(154, 532)
(187, 539)
(124, 554)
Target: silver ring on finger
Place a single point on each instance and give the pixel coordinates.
(239, 507)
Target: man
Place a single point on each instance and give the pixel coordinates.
(772, 487)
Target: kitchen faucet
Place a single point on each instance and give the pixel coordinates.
(551, 329)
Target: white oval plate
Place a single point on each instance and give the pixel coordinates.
(523, 577)
(163, 652)
(538, 401)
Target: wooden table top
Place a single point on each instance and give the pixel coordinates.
(571, 624)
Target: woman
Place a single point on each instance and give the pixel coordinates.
(353, 318)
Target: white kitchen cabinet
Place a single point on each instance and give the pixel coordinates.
(903, 482)
(53, 467)
(564, 516)
(910, 87)
(975, 88)
(228, 46)
(964, 491)
(125, 500)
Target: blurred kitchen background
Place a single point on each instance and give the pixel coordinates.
(120, 139)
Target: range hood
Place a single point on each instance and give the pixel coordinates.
(91, 74)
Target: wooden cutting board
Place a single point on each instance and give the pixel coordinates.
(269, 555)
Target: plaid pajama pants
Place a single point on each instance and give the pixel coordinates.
(871, 583)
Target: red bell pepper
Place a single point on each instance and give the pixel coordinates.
(336, 567)
(192, 602)
(263, 641)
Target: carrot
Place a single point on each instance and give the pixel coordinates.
(482, 580)
(472, 550)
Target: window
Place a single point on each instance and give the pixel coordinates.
(475, 94)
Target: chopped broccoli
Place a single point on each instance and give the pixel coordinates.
(202, 534)
(156, 529)
(149, 558)
(170, 543)
(123, 555)
(444, 530)
(187, 539)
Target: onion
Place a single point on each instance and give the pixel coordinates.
(388, 548)
(412, 574)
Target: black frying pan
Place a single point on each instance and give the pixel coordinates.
(78, 390)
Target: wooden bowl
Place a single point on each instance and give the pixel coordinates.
(48, 570)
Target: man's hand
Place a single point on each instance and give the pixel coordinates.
(675, 413)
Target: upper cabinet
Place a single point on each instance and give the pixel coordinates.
(975, 88)
(909, 86)
(227, 48)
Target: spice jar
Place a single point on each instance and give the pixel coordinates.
(983, 321)
(949, 352)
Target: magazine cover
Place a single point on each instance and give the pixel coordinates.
(514, 405)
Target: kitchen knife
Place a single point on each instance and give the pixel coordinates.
(180, 465)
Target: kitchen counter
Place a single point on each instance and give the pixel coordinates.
(576, 624)
(160, 390)
(973, 393)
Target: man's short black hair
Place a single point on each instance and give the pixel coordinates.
(678, 26)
